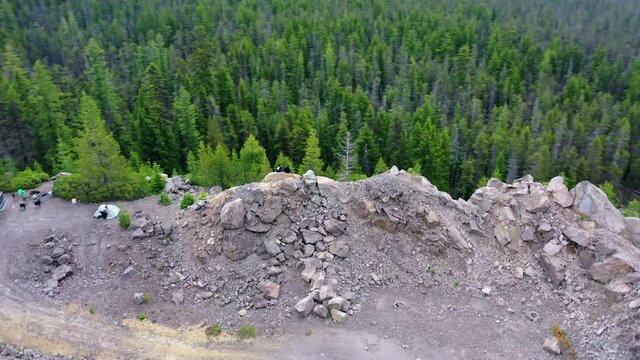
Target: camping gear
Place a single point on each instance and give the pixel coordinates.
(20, 192)
(112, 211)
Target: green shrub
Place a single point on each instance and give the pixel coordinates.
(213, 330)
(610, 190)
(157, 183)
(92, 310)
(124, 219)
(632, 209)
(187, 200)
(26, 179)
(247, 332)
(164, 199)
(147, 298)
(203, 195)
(78, 187)
(141, 316)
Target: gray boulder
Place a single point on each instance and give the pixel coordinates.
(57, 252)
(305, 306)
(578, 236)
(320, 311)
(339, 248)
(541, 207)
(271, 290)
(272, 247)
(237, 246)
(61, 272)
(138, 298)
(551, 345)
(271, 209)
(311, 237)
(138, 234)
(335, 227)
(338, 316)
(560, 192)
(178, 297)
(232, 214)
(553, 267)
(64, 259)
(607, 270)
(593, 202)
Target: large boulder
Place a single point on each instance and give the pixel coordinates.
(232, 214)
(593, 202)
(560, 192)
(553, 267)
(305, 306)
(607, 270)
(578, 236)
(237, 246)
(271, 209)
(335, 227)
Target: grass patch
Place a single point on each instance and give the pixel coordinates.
(187, 200)
(583, 217)
(456, 283)
(433, 271)
(564, 341)
(203, 195)
(164, 199)
(142, 317)
(92, 310)
(147, 298)
(247, 332)
(124, 219)
(213, 330)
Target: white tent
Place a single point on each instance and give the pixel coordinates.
(112, 211)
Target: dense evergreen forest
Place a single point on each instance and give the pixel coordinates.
(455, 90)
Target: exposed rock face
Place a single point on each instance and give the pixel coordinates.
(560, 192)
(593, 202)
(232, 214)
(338, 238)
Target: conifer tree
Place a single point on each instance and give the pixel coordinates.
(312, 160)
(252, 162)
(184, 113)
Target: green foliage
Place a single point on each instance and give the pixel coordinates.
(124, 219)
(213, 330)
(247, 332)
(312, 160)
(203, 195)
(416, 169)
(164, 199)
(610, 191)
(157, 183)
(252, 162)
(632, 209)
(141, 316)
(381, 167)
(26, 179)
(102, 173)
(283, 161)
(147, 298)
(515, 88)
(92, 310)
(187, 200)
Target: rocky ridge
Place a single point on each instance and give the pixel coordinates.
(343, 238)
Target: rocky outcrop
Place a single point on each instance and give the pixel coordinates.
(589, 200)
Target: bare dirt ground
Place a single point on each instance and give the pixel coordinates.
(451, 320)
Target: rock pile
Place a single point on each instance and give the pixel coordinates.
(308, 223)
(144, 227)
(57, 260)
